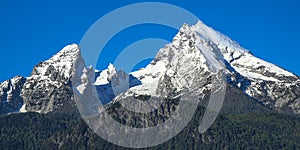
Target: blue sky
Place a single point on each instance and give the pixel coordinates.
(32, 31)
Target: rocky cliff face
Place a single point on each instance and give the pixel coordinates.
(49, 86)
(196, 55)
(269, 84)
(10, 99)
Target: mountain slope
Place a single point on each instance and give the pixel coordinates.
(195, 56)
(266, 82)
(10, 99)
(271, 85)
(49, 86)
(239, 131)
(197, 53)
(190, 65)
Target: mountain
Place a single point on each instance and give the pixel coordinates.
(196, 54)
(10, 99)
(110, 83)
(47, 89)
(271, 85)
(49, 86)
(197, 63)
(191, 66)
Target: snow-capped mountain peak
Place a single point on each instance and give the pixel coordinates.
(67, 53)
(199, 51)
(234, 54)
(257, 78)
(106, 75)
(196, 54)
(62, 61)
(49, 85)
(180, 64)
(221, 40)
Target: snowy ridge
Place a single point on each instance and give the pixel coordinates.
(266, 82)
(196, 54)
(240, 58)
(10, 99)
(216, 37)
(199, 51)
(149, 77)
(61, 64)
(48, 87)
(110, 83)
(62, 61)
(184, 64)
(106, 75)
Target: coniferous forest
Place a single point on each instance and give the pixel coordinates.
(230, 131)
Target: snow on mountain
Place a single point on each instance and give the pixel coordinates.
(49, 86)
(196, 55)
(240, 58)
(10, 99)
(187, 64)
(112, 82)
(232, 51)
(104, 86)
(62, 62)
(266, 82)
(199, 51)
(106, 75)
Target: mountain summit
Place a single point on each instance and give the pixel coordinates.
(196, 54)
(47, 89)
(269, 84)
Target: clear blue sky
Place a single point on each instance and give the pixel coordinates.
(32, 31)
